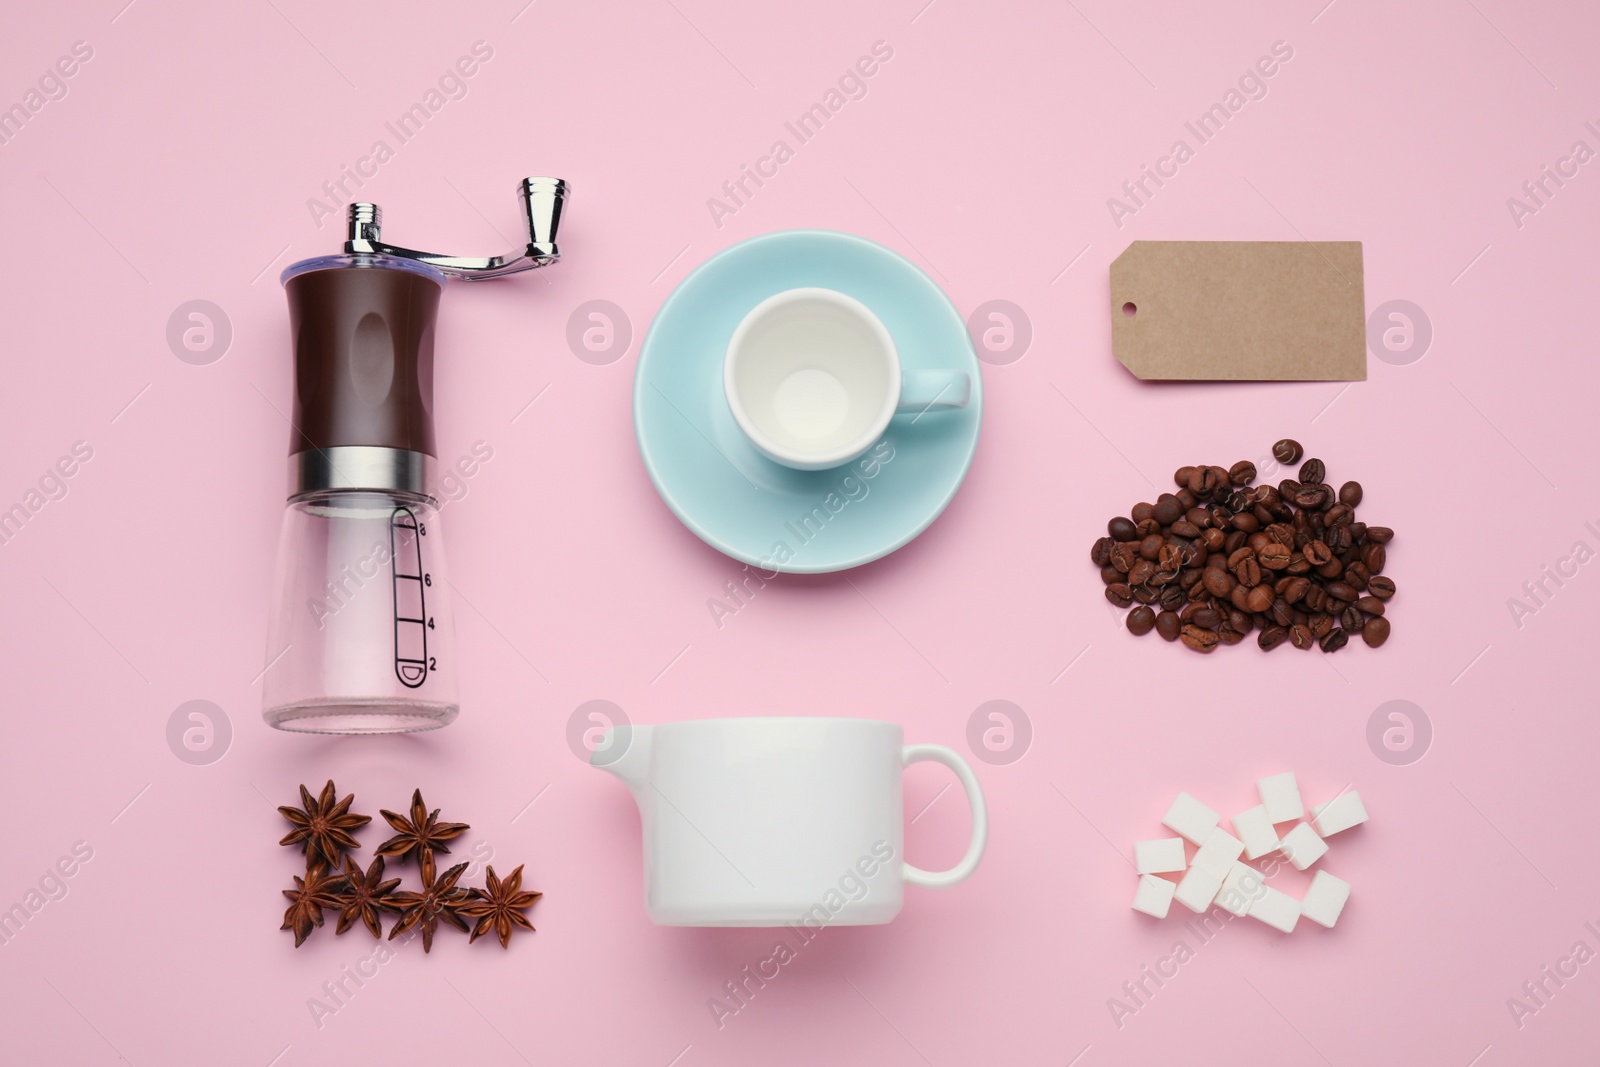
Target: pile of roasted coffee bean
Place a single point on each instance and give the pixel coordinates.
(1221, 558)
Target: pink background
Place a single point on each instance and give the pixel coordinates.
(178, 166)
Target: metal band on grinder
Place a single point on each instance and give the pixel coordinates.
(391, 470)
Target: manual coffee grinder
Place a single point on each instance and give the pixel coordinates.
(361, 637)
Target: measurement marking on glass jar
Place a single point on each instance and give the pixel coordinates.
(411, 622)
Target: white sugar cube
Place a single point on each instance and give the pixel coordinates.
(1325, 899)
(1302, 847)
(1159, 857)
(1198, 889)
(1254, 828)
(1219, 852)
(1340, 813)
(1188, 818)
(1276, 908)
(1280, 795)
(1240, 888)
(1154, 896)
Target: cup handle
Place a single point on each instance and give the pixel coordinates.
(933, 390)
(980, 816)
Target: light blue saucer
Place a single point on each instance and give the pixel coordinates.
(745, 505)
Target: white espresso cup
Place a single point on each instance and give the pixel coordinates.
(813, 378)
(780, 821)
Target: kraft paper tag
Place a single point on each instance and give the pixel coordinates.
(1240, 310)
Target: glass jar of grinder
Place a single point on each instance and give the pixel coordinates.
(361, 636)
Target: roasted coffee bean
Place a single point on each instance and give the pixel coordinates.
(1101, 552)
(1181, 477)
(1228, 636)
(1374, 556)
(1350, 493)
(1315, 598)
(1146, 594)
(1167, 625)
(1246, 521)
(1110, 575)
(1239, 500)
(1141, 620)
(1274, 557)
(1141, 572)
(1288, 488)
(1292, 590)
(1352, 619)
(1186, 499)
(1203, 482)
(1213, 539)
(1339, 539)
(1199, 638)
(1120, 594)
(1200, 517)
(1381, 587)
(1144, 529)
(1287, 451)
(1272, 637)
(1339, 515)
(1141, 511)
(1280, 612)
(1218, 582)
(1167, 511)
(1300, 637)
(1150, 547)
(1210, 618)
(1376, 632)
(1185, 528)
(1240, 623)
(1242, 472)
(1121, 529)
(1172, 599)
(1334, 640)
(1356, 575)
(1124, 554)
(1380, 535)
(1260, 598)
(1317, 553)
(1248, 572)
(1234, 541)
(1310, 497)
(1169, 558)
(1313, 471)
(1358, 530)
(1369, 604)
(1320, 624)
(1331, 569)
(1341, 591)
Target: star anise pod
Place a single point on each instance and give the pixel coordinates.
(438, 900)
(322, 826)
(423, 833)
(317, 890)
(499, 907)
(363, 896)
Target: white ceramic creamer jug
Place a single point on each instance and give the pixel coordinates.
(772, 821)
